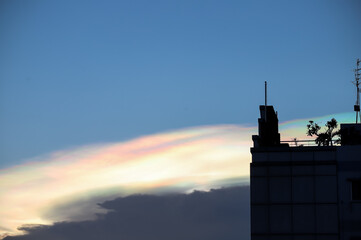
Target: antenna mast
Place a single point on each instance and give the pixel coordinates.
(357, 83)
(265, 100)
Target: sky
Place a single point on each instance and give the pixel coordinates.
(92, 89)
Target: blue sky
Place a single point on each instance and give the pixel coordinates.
(82, 72)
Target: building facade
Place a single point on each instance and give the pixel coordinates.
(308, 193)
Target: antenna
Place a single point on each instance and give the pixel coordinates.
(265, 100)
(357, 83)
(265, 93)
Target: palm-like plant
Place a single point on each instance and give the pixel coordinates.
(324, 138)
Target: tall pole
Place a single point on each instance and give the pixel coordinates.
(265, 100)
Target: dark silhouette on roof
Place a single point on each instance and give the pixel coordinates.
(267, 128)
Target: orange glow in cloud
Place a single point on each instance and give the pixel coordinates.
(67, 185)
(193, 158)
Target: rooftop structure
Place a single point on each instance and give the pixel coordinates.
(305, 192)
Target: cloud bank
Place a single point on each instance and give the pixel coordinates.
(67, 185)
(217, 214)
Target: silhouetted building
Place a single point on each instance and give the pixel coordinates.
(305, 192)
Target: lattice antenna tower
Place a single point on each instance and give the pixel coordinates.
(357, 84)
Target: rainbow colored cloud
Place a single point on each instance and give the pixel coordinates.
(66, 185)
(173, 161)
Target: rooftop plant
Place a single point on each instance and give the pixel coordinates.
(324, 138)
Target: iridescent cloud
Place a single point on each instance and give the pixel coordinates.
(297, 128)
(201, 157)
(66, 185)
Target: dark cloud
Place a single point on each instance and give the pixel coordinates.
(217, 214)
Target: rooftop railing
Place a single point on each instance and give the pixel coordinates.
(307, 143)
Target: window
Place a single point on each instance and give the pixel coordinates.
(356, 190)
